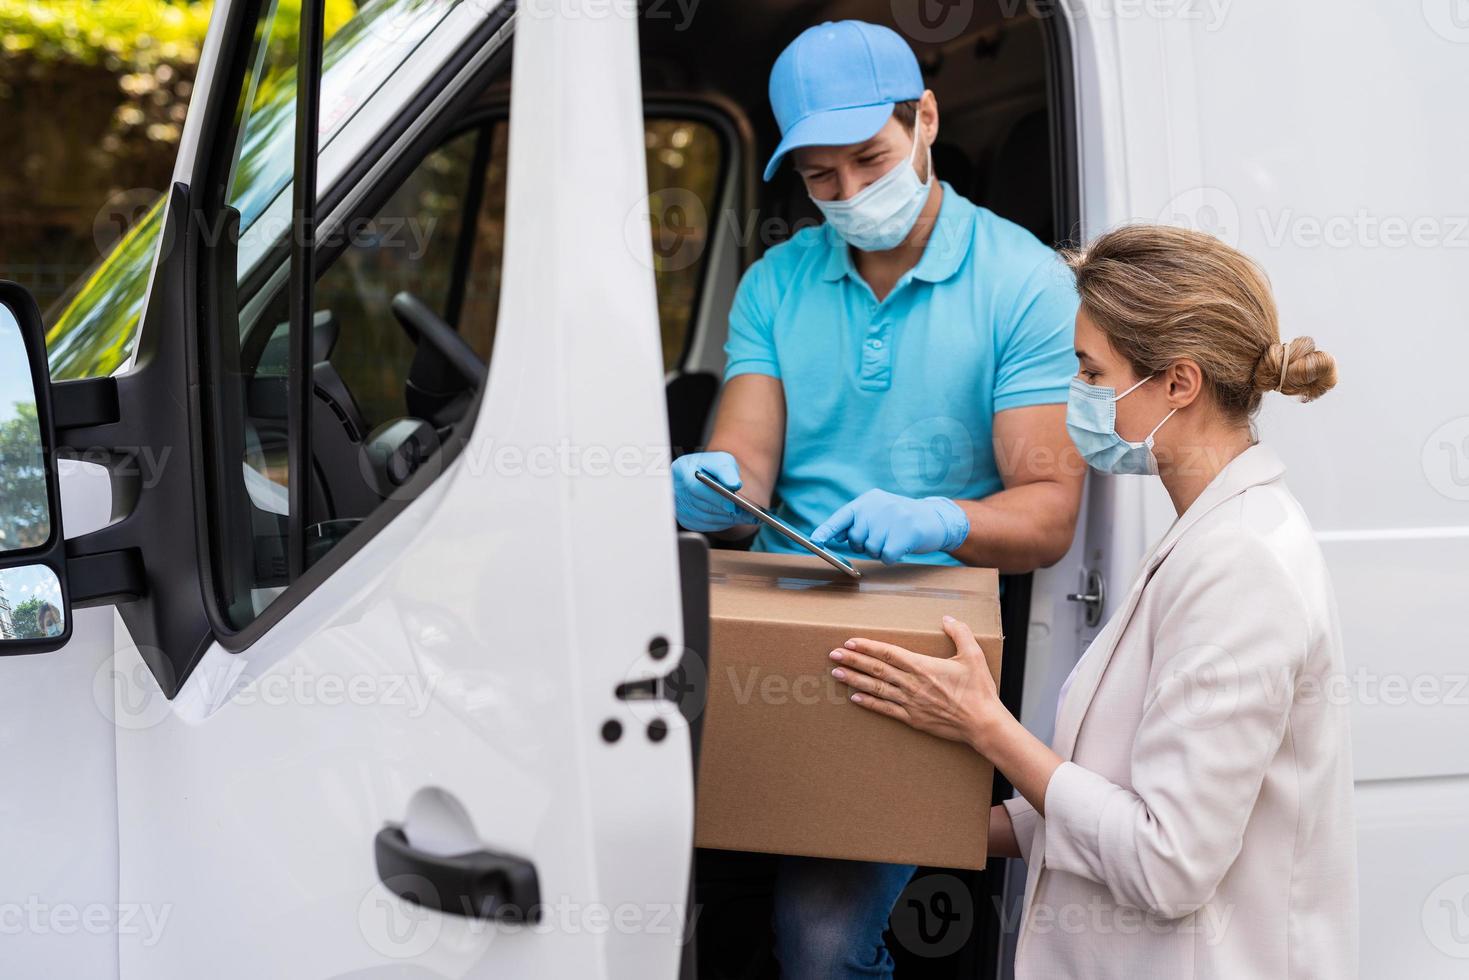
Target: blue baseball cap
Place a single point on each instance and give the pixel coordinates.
(837, 84)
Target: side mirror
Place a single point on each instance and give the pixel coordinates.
(35, 613)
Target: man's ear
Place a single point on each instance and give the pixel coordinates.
(928, 116)
(1185, 383)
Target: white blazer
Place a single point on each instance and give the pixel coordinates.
(1201, 824)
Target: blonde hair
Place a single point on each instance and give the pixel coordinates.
(1161, 294)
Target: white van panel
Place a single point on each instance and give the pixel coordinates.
(1337, 161)
(1402, 605)
(1415, 915)
(60, 915)
(1327, 140)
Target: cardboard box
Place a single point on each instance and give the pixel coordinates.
(789, 765)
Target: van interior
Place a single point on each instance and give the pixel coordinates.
(388, 381)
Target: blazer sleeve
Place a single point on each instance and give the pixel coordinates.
(1227, 653)
(1023, 819)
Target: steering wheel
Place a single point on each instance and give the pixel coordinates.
(424, 326)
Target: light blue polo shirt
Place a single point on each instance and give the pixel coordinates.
(901, 395)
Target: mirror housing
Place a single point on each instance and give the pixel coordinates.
(35, 572)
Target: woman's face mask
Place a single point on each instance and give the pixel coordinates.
(1091, 421)
(883, 213)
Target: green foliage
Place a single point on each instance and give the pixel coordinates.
(111, 33)
(25, 620)
(129, 34)
(25, 514)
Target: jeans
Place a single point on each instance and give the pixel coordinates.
(830, 916)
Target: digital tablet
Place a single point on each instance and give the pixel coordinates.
(770, 520)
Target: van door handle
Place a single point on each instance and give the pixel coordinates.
(478, 885)
(1093, 598)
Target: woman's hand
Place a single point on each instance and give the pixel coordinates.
(954, 697)
(951, 697)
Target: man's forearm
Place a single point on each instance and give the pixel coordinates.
(1020, 529)
(1002, 842)
(750, 426)
(737, 533)
(756, 484)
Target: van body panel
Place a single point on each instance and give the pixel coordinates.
(1332, 159)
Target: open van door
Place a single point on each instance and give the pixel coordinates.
(414, 744)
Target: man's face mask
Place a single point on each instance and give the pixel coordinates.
(884, 212)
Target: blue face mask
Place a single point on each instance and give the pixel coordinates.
(884, 212)
(1091, 421)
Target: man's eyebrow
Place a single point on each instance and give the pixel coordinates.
(861, 149)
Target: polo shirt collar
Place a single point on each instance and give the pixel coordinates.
(838, 257)
(947, 247)
(949, 243)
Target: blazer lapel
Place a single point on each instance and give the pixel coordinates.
(1250, 468)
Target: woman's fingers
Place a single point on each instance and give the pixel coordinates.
(858, 658)
(855, 661)
(869, 685)
(891, 654)
(882, 707)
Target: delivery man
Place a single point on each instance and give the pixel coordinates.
(897, 377)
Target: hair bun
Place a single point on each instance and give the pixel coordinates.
(1296, 368)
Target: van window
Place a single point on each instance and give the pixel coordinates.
(423, 241)
(685, 164)
(439, 239)
(411, 246)
(248, 389)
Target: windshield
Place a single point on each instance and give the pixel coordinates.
(91, 329)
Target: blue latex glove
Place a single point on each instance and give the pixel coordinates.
(886, 526)
(700, 508)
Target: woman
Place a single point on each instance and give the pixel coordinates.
(1193, 814)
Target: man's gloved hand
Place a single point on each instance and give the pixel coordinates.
(700, 508)
(886, 526)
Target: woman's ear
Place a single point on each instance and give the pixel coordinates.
(1185, 383)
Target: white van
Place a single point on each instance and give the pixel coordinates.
(354, 656)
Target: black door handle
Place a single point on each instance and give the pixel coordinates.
(477, 885)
